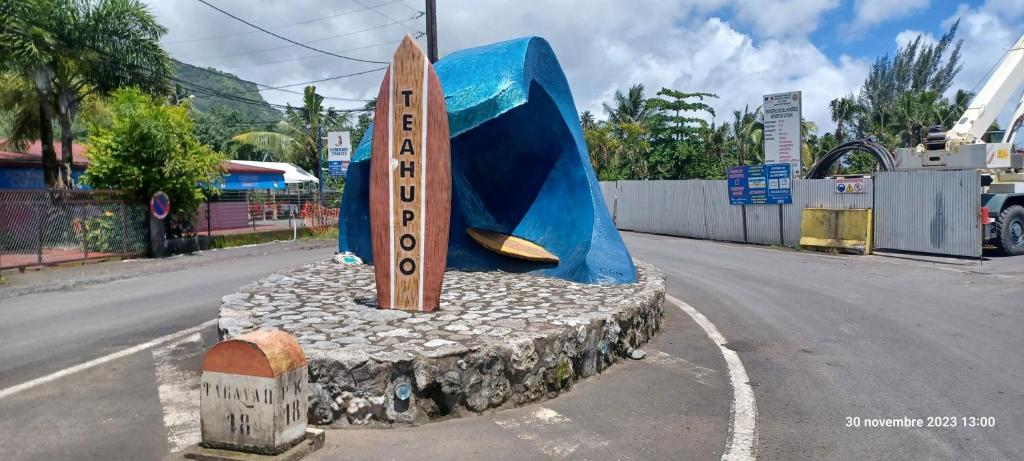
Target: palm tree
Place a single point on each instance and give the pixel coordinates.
(748, 132)
(18, 97)
(69, 50)
(604, 148)
(844, 111)
(716, 139)
(630, 107)
(635, 149)
(587, 121)
(912, 113)
(301, 130)
(808, 132)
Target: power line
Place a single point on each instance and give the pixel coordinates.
(286, 38)
(284, 26)
(308, 42)
(210, 91)
(337, 77)
(270, 87)
(378, 11)
(307, 57)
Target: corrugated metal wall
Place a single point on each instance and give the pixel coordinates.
(724, 221)
(662, 207)
(819, 193)
(929, 212)
(763, 224)
(922, 211)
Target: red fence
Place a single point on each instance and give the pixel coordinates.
(234, 212)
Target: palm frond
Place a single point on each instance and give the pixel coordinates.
(281, 145)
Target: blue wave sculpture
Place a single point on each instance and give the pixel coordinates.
(519, 166)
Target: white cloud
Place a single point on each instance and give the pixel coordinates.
(905, 37)
(608, 45)
(783, 18)
(988, 32)
(868, 13)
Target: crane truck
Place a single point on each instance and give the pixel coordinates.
(1001, 167)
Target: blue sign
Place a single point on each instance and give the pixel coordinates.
(767, 184)
(337, 168)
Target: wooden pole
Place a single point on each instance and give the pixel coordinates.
(432, 30)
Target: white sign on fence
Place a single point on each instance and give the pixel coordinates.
(782, 142)
(849, 186)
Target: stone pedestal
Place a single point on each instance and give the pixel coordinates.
(499, 339)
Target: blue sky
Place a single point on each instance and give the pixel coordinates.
(879, 39)
(737, 49)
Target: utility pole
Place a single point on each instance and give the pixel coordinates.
(432, 30)
(319, 166)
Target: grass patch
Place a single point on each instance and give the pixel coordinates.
(228, 241)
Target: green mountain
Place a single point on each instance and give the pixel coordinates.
(238, 94)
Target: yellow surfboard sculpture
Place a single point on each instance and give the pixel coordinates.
(511, 246)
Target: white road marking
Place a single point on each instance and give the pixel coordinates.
(7, 392)
(661, 358)
(178, 389)
(743, 424)
(551, 432)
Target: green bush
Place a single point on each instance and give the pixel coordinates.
(150, 146)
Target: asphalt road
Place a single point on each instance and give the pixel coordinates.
(143, 406)
(822, 337)
(57, 318)
(825, 337)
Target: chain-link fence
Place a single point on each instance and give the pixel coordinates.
(240, 212)
(41, 227)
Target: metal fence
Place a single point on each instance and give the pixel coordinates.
(921, 211)
(43, 227)
(929, 212)
(239, 212)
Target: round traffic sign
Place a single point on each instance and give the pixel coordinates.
(160, 205)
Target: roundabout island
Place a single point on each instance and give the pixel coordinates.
(498, 340)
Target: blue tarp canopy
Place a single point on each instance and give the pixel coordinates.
(254, 181)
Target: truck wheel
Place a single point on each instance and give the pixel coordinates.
(1010, 230)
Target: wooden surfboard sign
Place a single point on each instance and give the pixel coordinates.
(511, 246)
(410, 183)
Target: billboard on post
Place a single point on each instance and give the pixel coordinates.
(783, 113)
(339, 152)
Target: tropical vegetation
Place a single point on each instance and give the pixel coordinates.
(151, 146)
(676, 135)
(55, 54)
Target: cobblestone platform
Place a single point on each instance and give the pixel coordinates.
(499, 339)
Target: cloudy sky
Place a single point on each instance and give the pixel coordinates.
(738, 49)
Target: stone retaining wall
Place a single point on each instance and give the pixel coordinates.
(499, 340)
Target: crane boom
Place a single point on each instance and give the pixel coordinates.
(1015, 121)
(985, 107)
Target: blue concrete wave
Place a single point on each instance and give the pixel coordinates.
(519, 166)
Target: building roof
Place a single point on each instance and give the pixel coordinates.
(292, 173)
(233, 166)
(33, 156)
